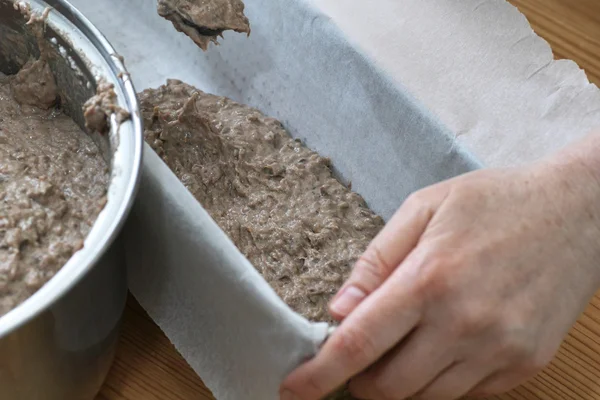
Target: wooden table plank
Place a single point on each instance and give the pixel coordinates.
(149, 368)
(572, 27)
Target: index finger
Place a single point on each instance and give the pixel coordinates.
(379, 321)
(389, 248)
(373, 328)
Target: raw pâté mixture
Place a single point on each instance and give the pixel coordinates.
(53, 183)
(276, 199)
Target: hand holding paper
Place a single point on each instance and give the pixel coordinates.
(470, 287)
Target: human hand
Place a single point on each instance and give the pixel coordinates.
(469, 289)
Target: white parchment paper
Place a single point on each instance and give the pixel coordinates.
(478, 65)
(400, 94)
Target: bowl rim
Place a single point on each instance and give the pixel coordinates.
(124, 179)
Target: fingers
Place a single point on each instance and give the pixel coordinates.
(452, 382)
(500, 383)
(407, 369)
(375, 320)
(375, 326)
(455, 383)
(397, 239)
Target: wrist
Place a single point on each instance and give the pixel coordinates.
(572, 181)
(580, 165)
(585, 155)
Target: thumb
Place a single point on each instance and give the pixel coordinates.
(389, 248)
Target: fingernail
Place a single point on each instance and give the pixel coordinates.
(347, 300)
(287, 395)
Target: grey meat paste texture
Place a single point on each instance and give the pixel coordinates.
(53, 183)
(276, 199)
(205, 20)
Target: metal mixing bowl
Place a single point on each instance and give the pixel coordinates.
(59, 344)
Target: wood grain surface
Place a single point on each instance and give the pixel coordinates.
(149, 368)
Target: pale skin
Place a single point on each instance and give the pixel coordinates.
(470, 288)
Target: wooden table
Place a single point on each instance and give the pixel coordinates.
(149, 368)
